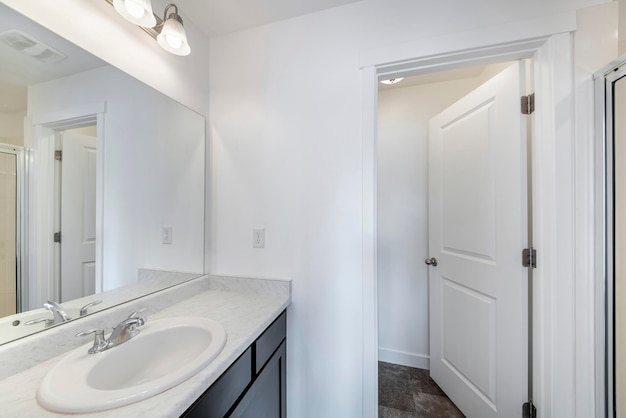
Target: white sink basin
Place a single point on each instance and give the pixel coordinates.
(164, 354)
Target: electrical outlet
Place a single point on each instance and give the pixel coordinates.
(167, 235)
(258, 238)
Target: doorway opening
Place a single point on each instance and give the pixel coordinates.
(75, 182)
(452, 181)
(68, 148)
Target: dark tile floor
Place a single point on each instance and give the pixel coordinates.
(406, 392)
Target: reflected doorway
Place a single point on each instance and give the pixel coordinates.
(75, 212)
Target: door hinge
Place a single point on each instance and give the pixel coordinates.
(529, 257)
(57, 237)
(528, 104)
(58, 155)
(529, 410)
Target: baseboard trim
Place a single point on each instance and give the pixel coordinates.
(420, 361)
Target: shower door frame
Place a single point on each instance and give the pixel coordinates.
(21, 229)
(605, 234)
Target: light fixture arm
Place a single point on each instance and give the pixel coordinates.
(169, 6)
(169, 32)
(174, 15)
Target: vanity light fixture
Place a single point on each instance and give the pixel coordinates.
(173, 37)
(169, 32)
(392, 80)
(138, 12)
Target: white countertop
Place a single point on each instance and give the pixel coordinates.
(245, 307)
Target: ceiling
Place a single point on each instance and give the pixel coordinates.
(219, 17)
(19, 69)
(443, 75)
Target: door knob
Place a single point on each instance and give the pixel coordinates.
(432, 261)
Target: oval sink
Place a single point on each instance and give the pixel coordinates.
(164, 354)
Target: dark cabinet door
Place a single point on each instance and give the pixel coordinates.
(216, 401)
(266, 398)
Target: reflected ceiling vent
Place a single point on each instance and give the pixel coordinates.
(31, 46)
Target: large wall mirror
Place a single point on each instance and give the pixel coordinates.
(611, 92)
(101, 183)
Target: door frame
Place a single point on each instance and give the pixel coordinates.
(42, 250)
(604, 212)
(548, 42)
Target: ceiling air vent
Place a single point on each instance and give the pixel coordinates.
(31, 46)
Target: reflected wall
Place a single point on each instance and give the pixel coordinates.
(153, 168)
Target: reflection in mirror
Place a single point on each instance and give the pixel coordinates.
(101, 179)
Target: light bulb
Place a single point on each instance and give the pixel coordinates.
(138, 12)
(134, 9)
(173, 37)
(174, 41)
(392, 80)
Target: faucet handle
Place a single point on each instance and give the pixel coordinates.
(83, 310)
(137, 312)
(48, 322)
(141, 320)
(99, 342)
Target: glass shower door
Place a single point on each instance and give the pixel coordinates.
(8, 234)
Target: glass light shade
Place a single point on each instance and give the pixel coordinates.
(392, 80)
(173, 37)
(138, 12)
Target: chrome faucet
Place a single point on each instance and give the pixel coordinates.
(58, 315)
(123, 332)
(58, 312)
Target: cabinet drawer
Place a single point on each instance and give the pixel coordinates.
(269, 341)
(219, 398)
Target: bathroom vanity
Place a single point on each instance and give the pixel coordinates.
(255, 385)
(247, 378)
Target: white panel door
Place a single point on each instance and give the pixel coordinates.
(477, 230)
(78, 216)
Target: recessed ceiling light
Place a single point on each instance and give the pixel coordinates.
(392, 80)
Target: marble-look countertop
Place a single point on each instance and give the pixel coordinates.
(245, 307)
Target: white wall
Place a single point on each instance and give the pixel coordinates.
(402, 168)
(286, 122)
(153, 171)
(12, 128)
